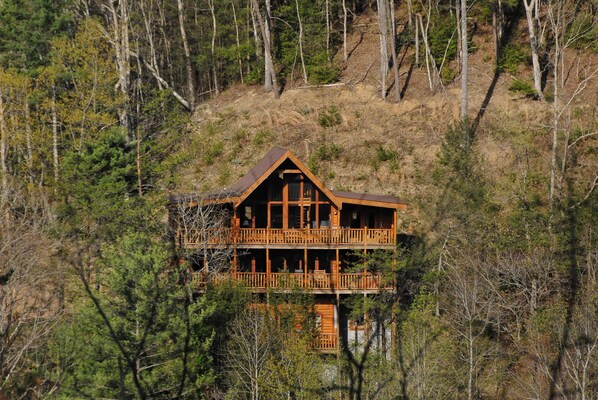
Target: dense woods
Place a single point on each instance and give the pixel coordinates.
(497, 284)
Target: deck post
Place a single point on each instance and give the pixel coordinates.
(305, 275)
(268, 267)
(365, 268)
(337, 274)
(285, 205)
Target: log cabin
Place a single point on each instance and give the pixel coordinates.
(279, 229)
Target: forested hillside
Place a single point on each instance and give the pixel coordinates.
(481, 115)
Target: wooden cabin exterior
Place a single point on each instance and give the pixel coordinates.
(284, 230)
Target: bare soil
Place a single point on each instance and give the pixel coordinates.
(248, 122)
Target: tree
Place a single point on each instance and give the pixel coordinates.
(532, 14)
(188, 66)
(31, 302)
(253, 339)
(143, 335)
(264, 22)
(470, 312)
(464, 57)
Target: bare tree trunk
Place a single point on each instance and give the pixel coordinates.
(55, 141)
(214, 27)
(383, 25)
(345, 30)
(150, 37)
(28, 135)
(531, 8)
(327, 6)
(3, 147)
(120, 24)
(238, 41)
(416, 43)
(464, 58)
(264, 24)
(166, 40)
(256, 36)
(188, 64)
(301, 40)
(393, 47)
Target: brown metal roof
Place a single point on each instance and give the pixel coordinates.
(240, 186)
(256, 173)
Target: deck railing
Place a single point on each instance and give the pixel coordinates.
(369, 281)
(266, 236)
(326, 341)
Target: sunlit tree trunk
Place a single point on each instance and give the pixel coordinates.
(383, 25)
(393, 48)
(345, 30)
(464, 60)
(3, 147)
(214, 31)
(120, 40)
(55, 141)
(237, 38)
(301, 41)
(264, 24)
(531, 10)
(188, 64)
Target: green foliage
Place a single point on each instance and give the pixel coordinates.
(464, 200)
(443, 38)
(26, 29)
(261, 137)
(512, 55)
(98, 183)
(140, 336)
(325, 152)
(583, 31)
(329, 117)
(213, 151)
(322, 71)
(523, 87)
(385, 155)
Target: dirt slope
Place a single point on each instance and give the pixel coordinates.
(238, 127)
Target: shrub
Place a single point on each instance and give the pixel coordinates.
(523, 87)
(329, 117)
(213, 151)
(261, 137)
(511, 56)
(328, 152)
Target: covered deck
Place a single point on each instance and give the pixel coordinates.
(313, 281)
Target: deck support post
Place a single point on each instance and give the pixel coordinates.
(305, 264)
(268, 267)
(337, 273)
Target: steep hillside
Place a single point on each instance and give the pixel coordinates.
(356, 141)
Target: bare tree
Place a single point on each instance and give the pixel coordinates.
(301, 39)
(532, 13)
(470, 305)
(30, 291)
(264, 22)
(464, 58)
(253, 340)
(117, 18)
(188, 65)
(561, 15)
(383, 27)
(203, 232)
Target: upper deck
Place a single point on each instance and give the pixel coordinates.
(320, 238)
